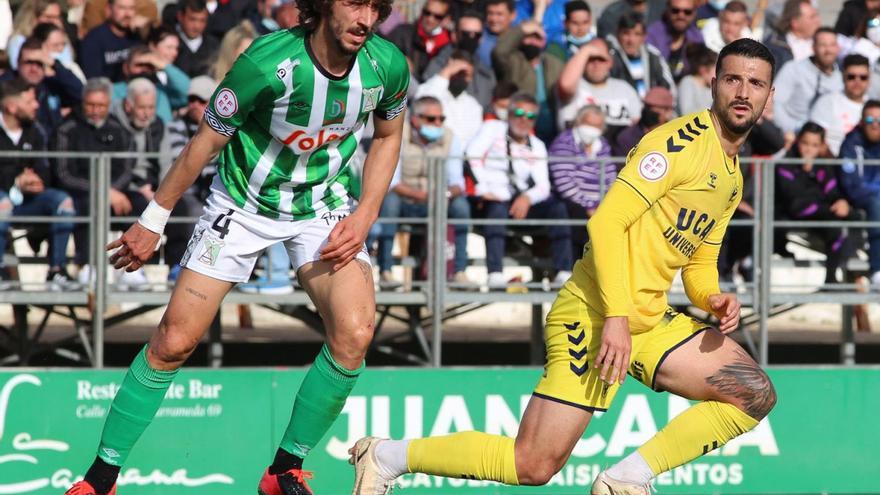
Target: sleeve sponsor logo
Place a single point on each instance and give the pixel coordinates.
(226, 104)
(653, 166)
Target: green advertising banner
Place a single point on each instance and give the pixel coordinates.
(217, 431)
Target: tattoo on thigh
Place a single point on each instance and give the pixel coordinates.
(744, 380)
(366, 270)
(196, 293)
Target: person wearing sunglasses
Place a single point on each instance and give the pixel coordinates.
(426, 138)
(674, 33)
(839, 112)
(58, 89)
(518, 187)
(423, 39)
(861, 183)
(800, 83)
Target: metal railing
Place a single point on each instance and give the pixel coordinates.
(436, 293)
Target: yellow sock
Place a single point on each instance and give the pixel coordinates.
(468, 454)
(695, 432)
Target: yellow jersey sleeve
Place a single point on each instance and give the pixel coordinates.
(650, 172)
(700, 275)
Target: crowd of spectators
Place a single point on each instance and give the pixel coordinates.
(498, 87)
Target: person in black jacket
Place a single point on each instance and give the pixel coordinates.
(198, 49)
(56, 87)
(24, 181)
(811, 192)
(94, 129)
(852, 16)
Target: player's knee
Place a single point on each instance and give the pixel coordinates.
(765, 400)
(756, 396)
(536, 468)
(172, 344)
(351, 343)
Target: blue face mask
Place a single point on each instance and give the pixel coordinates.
(718, 4)
(431, 132)
(578, 41)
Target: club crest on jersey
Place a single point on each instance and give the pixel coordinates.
(371, 98)
(226, 104)
(653, 166)
(712, 178)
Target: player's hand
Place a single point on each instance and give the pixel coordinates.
(346, 240)
(520, 207)
(615, 351)
(134, 248)
(726, 307)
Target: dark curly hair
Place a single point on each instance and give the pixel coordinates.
(311, 11)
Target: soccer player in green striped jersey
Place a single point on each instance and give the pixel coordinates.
(285, 122)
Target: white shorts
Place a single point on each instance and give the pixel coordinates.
(227, 240)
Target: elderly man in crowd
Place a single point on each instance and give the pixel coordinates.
(516, 187)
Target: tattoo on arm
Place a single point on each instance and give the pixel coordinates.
(744, 380)
(196, 293)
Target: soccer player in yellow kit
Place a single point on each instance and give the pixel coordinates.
(668, 210)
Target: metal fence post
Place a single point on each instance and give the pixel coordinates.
(768, 170)
(100, 226)
(438, 254)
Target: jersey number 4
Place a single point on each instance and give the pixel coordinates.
(221, 225)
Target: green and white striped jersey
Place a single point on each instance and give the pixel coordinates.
(294, 127)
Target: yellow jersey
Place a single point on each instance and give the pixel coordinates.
(667, 210)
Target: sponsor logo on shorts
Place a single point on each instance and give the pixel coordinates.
(211, 250)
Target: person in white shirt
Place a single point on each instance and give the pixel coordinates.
(586, 80)
(840, 112)
(463, 111)
(509, 164)
(800, 83)
(731, 24)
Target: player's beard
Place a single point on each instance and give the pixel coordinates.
(738, 128)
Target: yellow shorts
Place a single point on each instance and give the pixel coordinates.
(573, 335)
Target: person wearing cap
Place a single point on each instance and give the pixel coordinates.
(578, 30)
(657, 110)
(177, 133)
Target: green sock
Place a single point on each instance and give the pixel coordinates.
(133, 409)
(319, 401)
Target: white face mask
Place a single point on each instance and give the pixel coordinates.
(873, 34)
(587, 134)
(501, 113)
(436, 31)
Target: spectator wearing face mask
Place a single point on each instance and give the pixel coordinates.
(500, 99)
(466, 38)
(449, 86)
(657, 111)
(146, 64)
(425, 141)
(578, 156)
(578, 30)
(262, 16)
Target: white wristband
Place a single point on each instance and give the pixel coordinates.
(154, 217)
